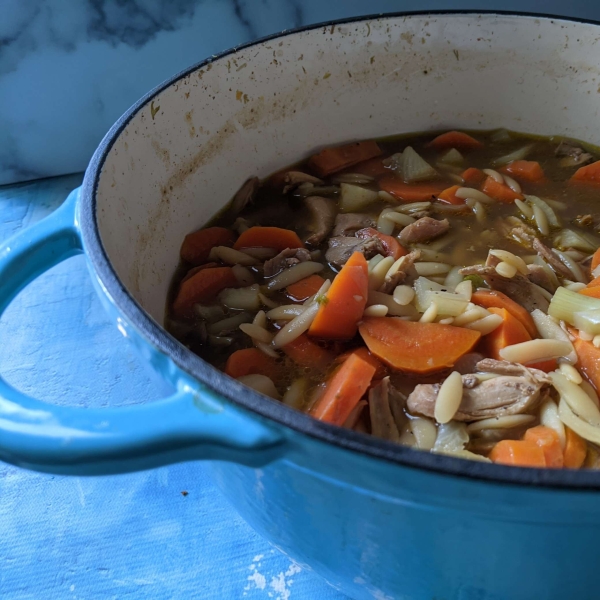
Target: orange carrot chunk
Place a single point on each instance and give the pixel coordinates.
(380, 369)
(197, 246)
(519, 453)
(307, 353)
(500, 191)
(338, 316)
(489, 298)
(305, 288)
(455, 139)
(589, 361)
(547, 439)
(373, 167)
(575, 450)
(473, 176)
(545, 365)
(592, 292)
(595, 259)
(449, 195)
(268, 237)
(337, 158)
(392, 246)
(202, 287)
(588, 174)
(251, 361)
(525, 170)
(410, 192)
(416, 347)
(510, 332)
(344, 390)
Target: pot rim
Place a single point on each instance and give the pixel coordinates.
(254, 402)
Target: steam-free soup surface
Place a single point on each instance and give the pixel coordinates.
(440, 291)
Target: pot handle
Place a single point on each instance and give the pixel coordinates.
(191, 424)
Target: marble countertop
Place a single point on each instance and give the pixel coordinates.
(160, 534)
(68, 70)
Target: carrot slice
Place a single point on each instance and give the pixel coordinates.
(575, 450)
(410, 192)
(519, 453)
(546, 365)
(373, 167)
(344, 390)
(455, 139)
(526, 170)
(268, 237)
(592, 292)
(588, 174)
(510, 332)
(380, 368)
(589, 360)
(305, 288)
(416, 347)
(500, 191)
(392, 246)
(337, 158)
(547, 439)
(595, 259)
(251, 361)
(202, 287)
(489, 298)
(449, 195)
(473, 176)
(338, 317)
(307, 353)
(192, 272)
(197, 246)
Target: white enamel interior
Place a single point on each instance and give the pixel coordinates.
(182, 157)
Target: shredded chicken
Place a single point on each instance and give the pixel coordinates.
(423, 230)
(403, 272)
(515, 390)
(542, 250)
(322, 211)
(341, 249)
(286, 258)
(519, 288)
(346, 224)
(574, 155)
(540, 276)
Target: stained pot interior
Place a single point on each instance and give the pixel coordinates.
(183, 154)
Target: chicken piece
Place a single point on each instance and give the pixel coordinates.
(540, 276)
(519, 288)
(322, 213)
(245, 195)
(423, 230)
(403, 272)
(573, 155)
(341, 249)
(515, 390)
(533, 242)
(383, 399)
(347, 224)
(293, 179)
(285, 259)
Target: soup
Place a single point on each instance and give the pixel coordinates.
(440, 291)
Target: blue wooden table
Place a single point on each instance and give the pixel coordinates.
(166, 533)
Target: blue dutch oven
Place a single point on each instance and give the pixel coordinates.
(377, 520)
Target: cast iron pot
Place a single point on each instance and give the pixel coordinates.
(377, 520)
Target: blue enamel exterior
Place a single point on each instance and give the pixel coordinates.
(359, 512)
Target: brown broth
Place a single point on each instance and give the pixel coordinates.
(467, 242)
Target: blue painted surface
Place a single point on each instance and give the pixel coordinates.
(129, 536)
(68, 70)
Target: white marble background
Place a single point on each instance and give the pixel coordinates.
(69, 68)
